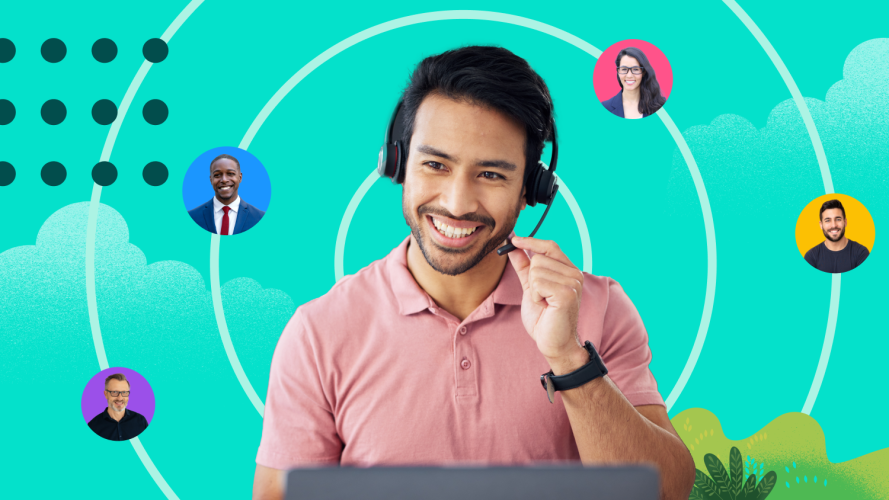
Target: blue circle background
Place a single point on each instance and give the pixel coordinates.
(255, 188)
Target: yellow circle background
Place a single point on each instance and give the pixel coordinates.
(859, 223)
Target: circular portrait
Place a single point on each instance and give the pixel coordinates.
(117, 404)
(835, 233)
(226, 191)
(632, 79)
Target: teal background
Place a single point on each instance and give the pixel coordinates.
(644, 218)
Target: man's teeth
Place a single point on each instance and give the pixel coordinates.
(452, 232)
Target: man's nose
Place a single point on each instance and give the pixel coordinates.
(459, 197)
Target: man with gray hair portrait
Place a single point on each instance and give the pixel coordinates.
(117, 422)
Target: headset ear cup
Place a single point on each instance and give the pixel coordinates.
(386, 161)
(531, 186)
(398, 174)
(545, 187)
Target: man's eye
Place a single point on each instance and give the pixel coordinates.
(435, 165)
(492, 175)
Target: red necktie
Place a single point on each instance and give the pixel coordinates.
(225, 220)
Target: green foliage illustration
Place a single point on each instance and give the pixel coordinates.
(794, 473)
(734, 484)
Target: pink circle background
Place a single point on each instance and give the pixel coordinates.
(605, 74)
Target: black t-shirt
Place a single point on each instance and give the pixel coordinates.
(824, 259)
(131, 425)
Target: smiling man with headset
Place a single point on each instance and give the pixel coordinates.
(433, 355)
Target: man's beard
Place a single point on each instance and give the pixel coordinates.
(113, 407)
(460, 267)
(838, 238)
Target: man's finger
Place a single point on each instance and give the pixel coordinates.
(552, 294)
(545, 262)
(545, 247)
(540, 274)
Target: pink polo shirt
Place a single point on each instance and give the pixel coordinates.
(374, 373)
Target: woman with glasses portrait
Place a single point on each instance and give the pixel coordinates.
(640, 94)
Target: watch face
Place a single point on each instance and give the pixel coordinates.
(550, 389)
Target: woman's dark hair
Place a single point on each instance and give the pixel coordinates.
(650, 98)
(491, 77)
(831, 204)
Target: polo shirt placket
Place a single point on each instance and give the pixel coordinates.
(375, 373)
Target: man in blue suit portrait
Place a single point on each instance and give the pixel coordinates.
(226, 213)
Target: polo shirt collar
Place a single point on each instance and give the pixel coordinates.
(413, 299)
(126, 414)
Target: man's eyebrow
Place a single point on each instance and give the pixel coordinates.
(429, 150)
(503, 164)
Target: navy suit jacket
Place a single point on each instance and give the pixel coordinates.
(248, 216)
(616, 105)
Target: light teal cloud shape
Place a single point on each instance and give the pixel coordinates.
(157, 318)
(768, 330)
(143, 307)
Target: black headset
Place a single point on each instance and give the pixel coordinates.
(540, 181)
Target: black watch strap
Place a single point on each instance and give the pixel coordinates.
(594, 369)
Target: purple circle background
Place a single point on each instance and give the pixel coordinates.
(141, 400)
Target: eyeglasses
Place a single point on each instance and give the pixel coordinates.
(118, 393)
(637, 70)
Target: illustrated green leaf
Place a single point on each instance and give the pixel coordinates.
(707, 487)
(749, 490)
(719, 475)
(736, 464)
(765, 486)
(696, 494)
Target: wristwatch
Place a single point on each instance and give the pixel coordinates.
(594, 369)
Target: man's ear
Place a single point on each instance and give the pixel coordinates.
(524, 199)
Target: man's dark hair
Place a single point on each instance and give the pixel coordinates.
(226, 157)
(491, 77)
(831, 204)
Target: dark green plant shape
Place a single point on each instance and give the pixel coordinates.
(719, 485)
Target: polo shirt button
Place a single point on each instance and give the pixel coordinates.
(463, 331)
(465, 364)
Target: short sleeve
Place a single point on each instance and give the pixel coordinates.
(298, 425)
(862, 254)
(624, 349)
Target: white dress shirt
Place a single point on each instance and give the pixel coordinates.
(218, 213)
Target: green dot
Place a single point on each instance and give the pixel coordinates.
(155, 112)
(104, 173)
(104, 112)
(7, 173)
(53, 50)
(7, 112)
(7, 50)
(104, 50)
(155, 50)
(155, 173)
(53, 112)
(53, 173)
